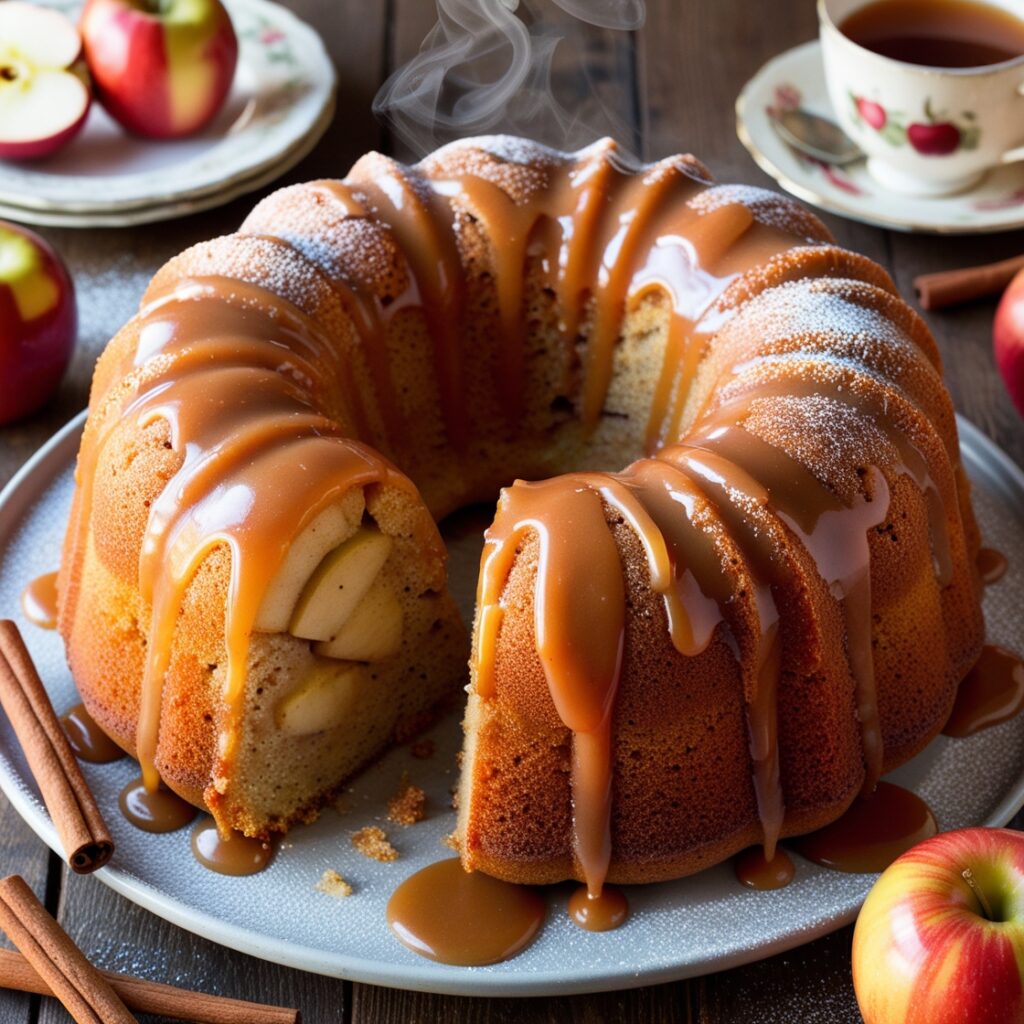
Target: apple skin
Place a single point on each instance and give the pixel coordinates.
(1008, 340)
(39, 148)
(161, 74)
(939, 139)
(923, 953)
(38, 321)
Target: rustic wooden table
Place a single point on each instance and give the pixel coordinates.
(678, 79)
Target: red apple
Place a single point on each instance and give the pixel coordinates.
(939, 139)
(38, 321)
(873, 113)
(162, 68)
(44, 91)
(940, 939)
(1008, 339)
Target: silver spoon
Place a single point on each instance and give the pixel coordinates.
(816, 136)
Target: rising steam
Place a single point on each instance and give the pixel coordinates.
(517, 66)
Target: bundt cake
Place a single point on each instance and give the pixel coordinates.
(721, 644)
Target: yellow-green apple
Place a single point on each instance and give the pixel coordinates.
(372, 632)
(323, 699)
(44, 91)
(338, 584)
(328, 530)
(38, 321)
(162, 68)
(940, 938)
(1008, 339)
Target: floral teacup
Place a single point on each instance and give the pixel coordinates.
(926, 130)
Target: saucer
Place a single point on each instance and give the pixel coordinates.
(796, 78)
(279, 106)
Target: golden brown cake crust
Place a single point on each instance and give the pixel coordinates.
(532, 352)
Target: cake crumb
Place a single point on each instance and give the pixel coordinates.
(408, 805)
(334, 885)
(422, 750)
(373, 842)
(451, 841)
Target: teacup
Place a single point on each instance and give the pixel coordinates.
(927, 131)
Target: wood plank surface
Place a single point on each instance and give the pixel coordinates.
(674, 82)
(23, 854)
(117, 936)
(659, 1004)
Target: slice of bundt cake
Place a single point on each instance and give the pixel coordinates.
(721, 644)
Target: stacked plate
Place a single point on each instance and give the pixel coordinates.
(281, 103)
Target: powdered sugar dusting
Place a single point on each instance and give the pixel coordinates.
(513, 149)
(769, 208)
(517, 166)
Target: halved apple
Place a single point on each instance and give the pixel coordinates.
(372, 632)
(325, 533)
(323, 699)
(44, 95)
(339, 583)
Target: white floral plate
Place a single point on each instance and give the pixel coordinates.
(677, 929)
(279, 105)
(119, 218)
(796, 78)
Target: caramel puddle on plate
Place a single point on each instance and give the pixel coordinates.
(234, 854)
(600, 913)
(463, 918)
(755, 872)
(872, 833)
(991, 693)
(991, 565)
(88, 741)
(158, 811)
(39, 601)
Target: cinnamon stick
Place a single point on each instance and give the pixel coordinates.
(152, 997)
(952, 287)
(83, 833)
(86, 995)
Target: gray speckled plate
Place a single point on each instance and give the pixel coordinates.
(707, 922)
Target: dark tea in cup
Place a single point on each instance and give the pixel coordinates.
(937, 33)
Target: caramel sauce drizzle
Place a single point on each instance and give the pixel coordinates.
(580, 628)
(622, 235)
(242, 378)
(836, 537)
(261, 405)
(729, 488)
(912, 461)
(370, 319)
(422, 225)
